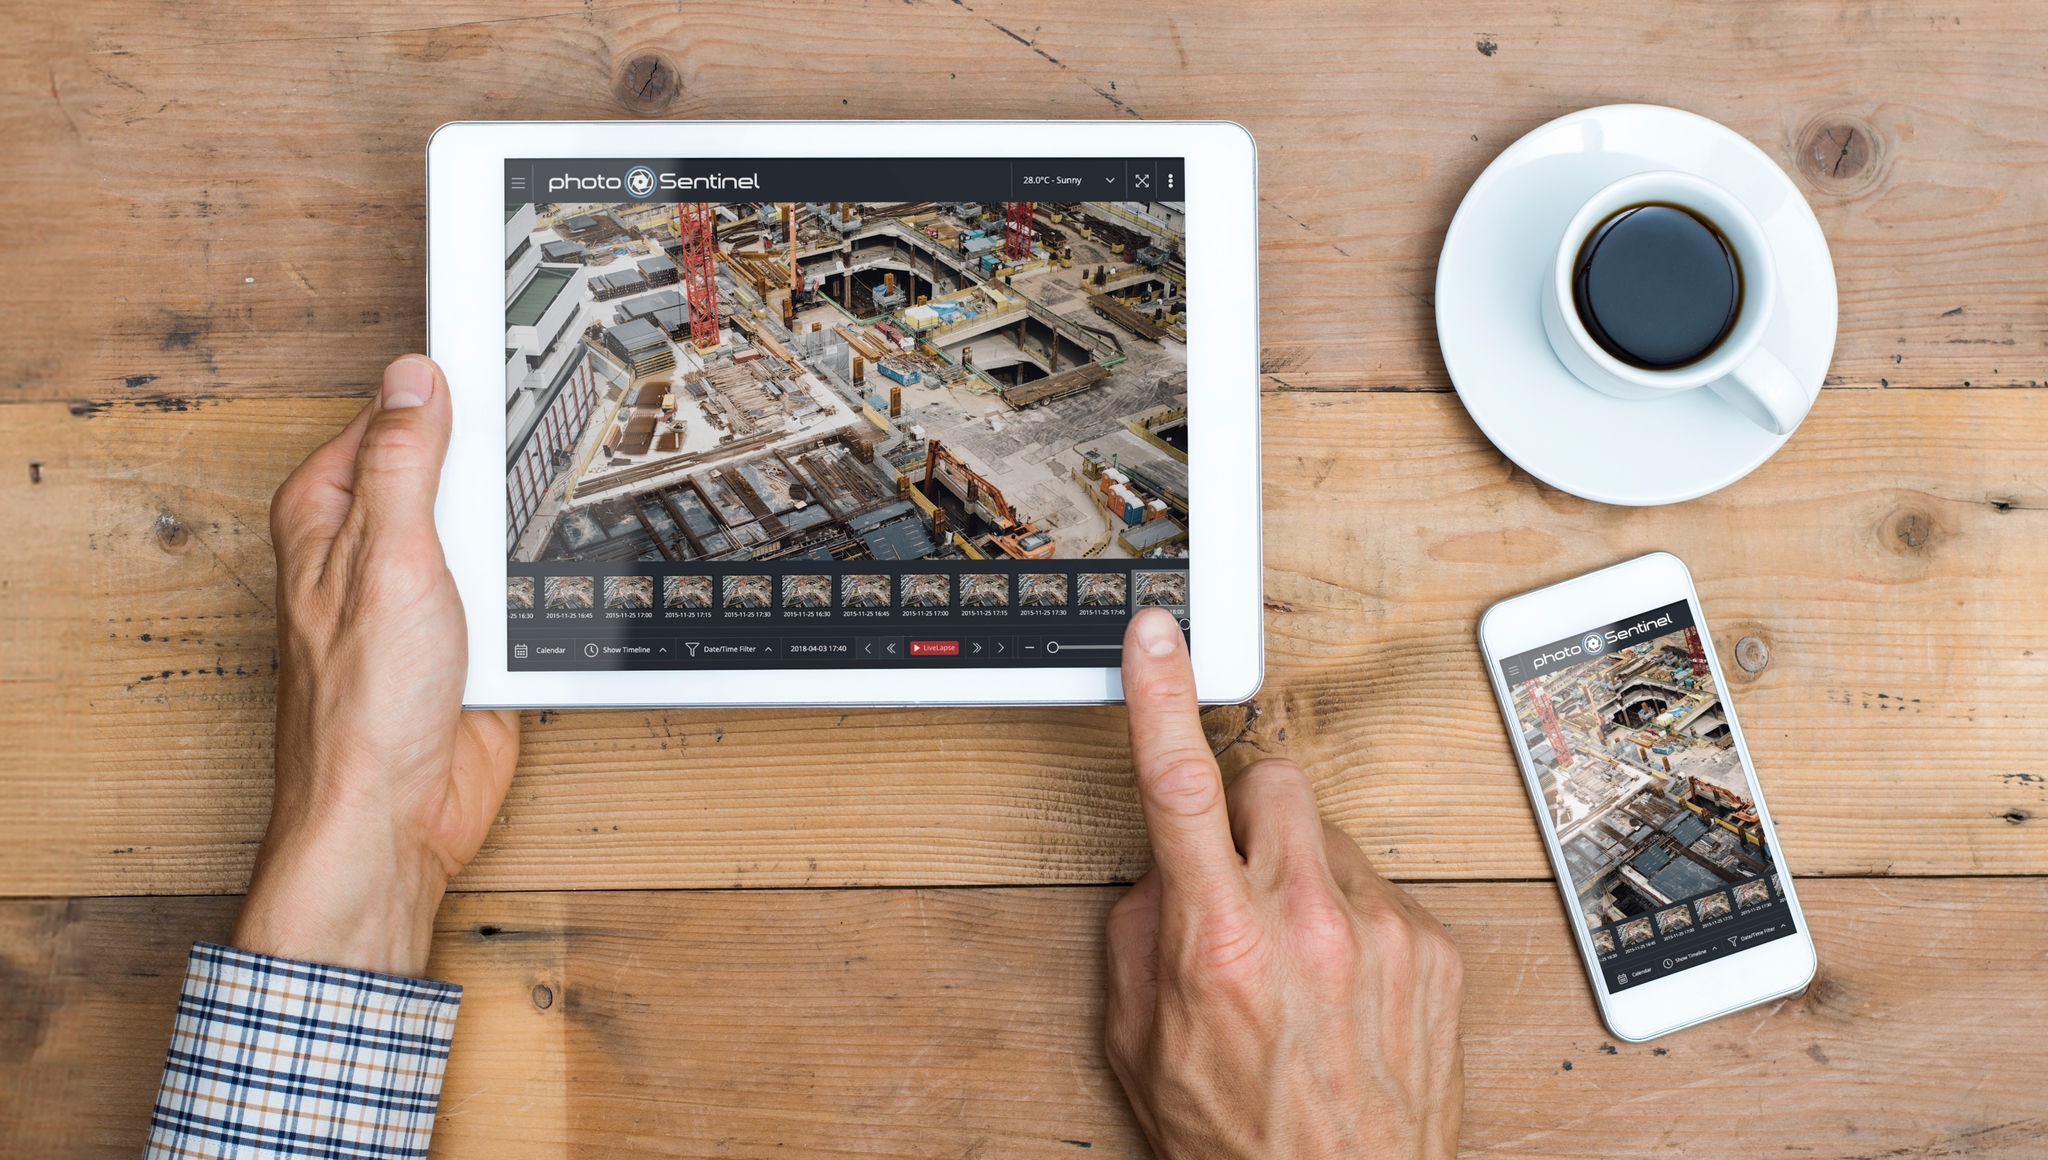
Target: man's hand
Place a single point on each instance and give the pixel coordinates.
(1269, 994)
(385, 787)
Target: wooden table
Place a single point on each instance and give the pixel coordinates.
(878, 933)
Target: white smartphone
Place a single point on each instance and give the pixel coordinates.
(1671, 872)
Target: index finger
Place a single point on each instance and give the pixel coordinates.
(1179, 784)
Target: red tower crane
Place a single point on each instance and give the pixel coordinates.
(1017, 229)
(696, 225)
(1546, 715)
(796, 281)
(1699, 655)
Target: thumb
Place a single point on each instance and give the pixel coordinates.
(398, 463)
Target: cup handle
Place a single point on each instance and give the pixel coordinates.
(1765, 392)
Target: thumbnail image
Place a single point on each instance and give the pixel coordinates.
(1042, 590)
(1162, 590)
(1603, 942)
(981, 590)
(1713, 906)
(1674, 920)
(864, 592)
(1751, 894)
(629, 592)
(1636, 933)
(568, 592)
(642, 430)
(686, 592)
(1645, 789)
(807, 591)
(1777, 887)
(748, 592)
(1102, 589)
(518, 592)
(929, 591)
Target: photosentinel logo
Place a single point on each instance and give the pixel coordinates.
(639, 181)
(1592, 643)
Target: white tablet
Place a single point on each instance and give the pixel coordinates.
(845, 412)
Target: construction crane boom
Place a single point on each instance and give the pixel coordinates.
(1698, 655)
(1016, 539)
(1017, 229)
(1553, 730)
(696, 225)
(796, 283)
(989, 492)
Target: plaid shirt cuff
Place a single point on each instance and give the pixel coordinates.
(274, 1058)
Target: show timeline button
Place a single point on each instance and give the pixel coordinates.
(935, 648)
(616, 650)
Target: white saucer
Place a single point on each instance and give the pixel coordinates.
(1489, 308)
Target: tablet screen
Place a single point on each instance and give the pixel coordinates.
(842, 413)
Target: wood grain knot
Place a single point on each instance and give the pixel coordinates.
(1838, 154)
(647, 82)
(1827, 998)
(1226, 725)
(1910, 533)
(1752, 654)
(171, 533)
(543, 996)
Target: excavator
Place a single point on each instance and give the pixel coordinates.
(1016, 539)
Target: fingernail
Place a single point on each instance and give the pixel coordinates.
(1158, 634)
(407, 383)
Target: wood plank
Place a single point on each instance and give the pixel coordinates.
(966, 1022)
(1895, 725)
(209, 198)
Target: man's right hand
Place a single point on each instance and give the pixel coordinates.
(1269, 994)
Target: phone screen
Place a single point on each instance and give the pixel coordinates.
(1648, 795)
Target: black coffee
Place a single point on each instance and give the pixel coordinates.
(1657, 286)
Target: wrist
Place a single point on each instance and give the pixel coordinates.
(347, 898)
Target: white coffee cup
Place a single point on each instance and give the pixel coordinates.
(1740, 370)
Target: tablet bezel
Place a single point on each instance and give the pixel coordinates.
(465, 191)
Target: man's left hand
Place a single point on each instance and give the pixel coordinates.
(385, 787)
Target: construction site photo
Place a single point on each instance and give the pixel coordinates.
(846, 381)
(1647, 791)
